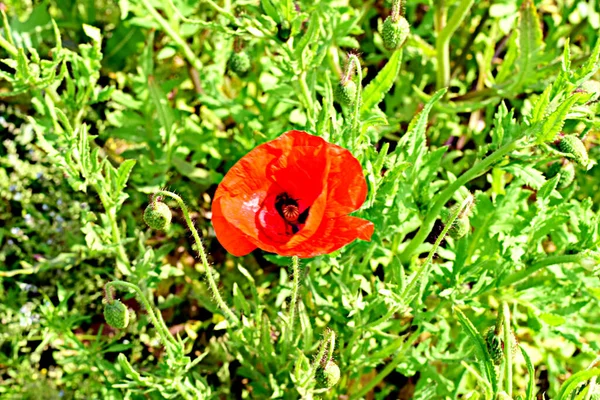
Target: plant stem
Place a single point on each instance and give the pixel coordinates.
(114, 228)
(183, 46)
(166, 337)
(552, 260)
(445, 32)
(507, 348)
(306, 97)
(353, 59)
(200, 249)
(477, 170)
(425, 267)
(294, 299)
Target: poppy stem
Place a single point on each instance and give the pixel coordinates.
(293, 301)
(200, 249)
(354, 61)
(508, 345)
(166, 337)
(442, 198)
(407, 296)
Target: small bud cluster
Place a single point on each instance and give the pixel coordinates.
(239, 62)
(461, 225)
(566, 171)
(574, 148)
(327, 376)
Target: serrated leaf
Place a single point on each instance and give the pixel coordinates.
(531, 176)
(541, 105)
(548, 187)
(378, 87)
(414, 142)
(530, 42)
(123, 173)
(553, 124)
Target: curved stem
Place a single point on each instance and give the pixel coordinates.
(306, 97)
(425, 267)
(200, 249)
(356, 114)
(477, 170)
(552, 260)
(159, 324)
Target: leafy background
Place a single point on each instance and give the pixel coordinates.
(104, 103)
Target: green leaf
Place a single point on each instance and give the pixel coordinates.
(480, 348)
(547, 188)
(93, 33)
(575, 380)
(530, 43)
(123, 173)
(541, 105)
(553, 124)
(530, 394)
(378, 87)
(531, 176)
(414, 142)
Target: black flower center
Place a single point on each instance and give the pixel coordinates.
(290, 211)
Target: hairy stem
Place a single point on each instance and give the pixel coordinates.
(353, 60)
(551, 260)
(167, 339)
(200, 249)
(477, 170)
(406, 294)
(294, 299)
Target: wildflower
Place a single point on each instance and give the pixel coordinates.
(291, 196)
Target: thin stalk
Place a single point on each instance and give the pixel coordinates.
(353, 59)
(200, 249)
(425, 267)
(477, 170)
(165, 336)
(552, 260)
(591, 388)
(445, 32)
(164, 24)
(294, 299)
(508, 349)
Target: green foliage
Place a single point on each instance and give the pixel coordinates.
(488, 106)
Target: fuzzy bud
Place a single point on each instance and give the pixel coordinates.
(116, 314)
(158, 216)
(574, 147)
(495, 344)
(327, 376)
(240, 63)
(345, 92)
(567, 173)
(394, 32)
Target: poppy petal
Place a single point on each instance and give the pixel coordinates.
(346, 184)
(230, 237)
(332, 235)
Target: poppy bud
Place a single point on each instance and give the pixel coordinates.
(567, 173)
(240, 63)
(394, 32)
(158, 216)
(116, 314)
(345, 92)
(461, 225)
(574, 147)
(327, 376)
(495, 344)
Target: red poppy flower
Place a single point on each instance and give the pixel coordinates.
(291, 196)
